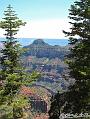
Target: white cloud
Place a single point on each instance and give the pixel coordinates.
(51, 28)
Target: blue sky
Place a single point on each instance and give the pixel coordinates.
(41, 16)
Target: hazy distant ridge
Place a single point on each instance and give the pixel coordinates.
(40, 49)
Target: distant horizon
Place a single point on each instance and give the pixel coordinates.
(50, 41)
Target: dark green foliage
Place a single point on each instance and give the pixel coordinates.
(79, 64)
(77, 98)
(57, 101)
(54, 111)
(12, 75)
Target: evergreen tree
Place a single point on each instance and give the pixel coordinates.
(57, 101)
(79, 58)
(12, 75)
(77, 98)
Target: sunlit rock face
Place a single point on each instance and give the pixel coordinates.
(41, 49)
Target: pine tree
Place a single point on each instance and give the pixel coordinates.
(57, 101)
(78, 96)
(12, 75)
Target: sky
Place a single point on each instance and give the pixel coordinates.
(45, 18)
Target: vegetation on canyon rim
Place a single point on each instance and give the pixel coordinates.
(13, 76)
(77, 98)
